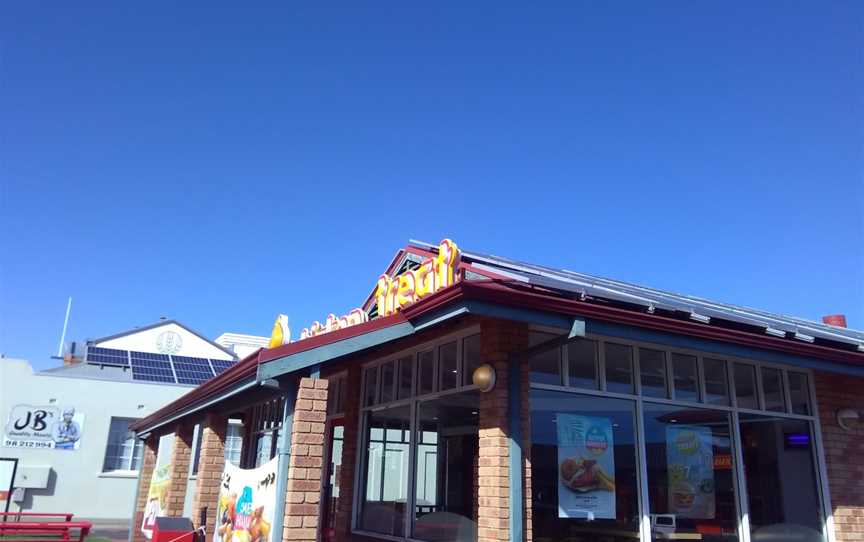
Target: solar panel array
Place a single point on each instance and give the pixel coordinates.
(699, 309)
(152, 367)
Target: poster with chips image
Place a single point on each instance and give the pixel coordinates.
(690, 462)
(586, 467)
(247, 502)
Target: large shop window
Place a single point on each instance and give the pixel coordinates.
(583, 468)
(781, 481)
(418, 476)
(691, 480)
(651, 449)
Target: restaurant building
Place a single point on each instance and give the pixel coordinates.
(473, 397)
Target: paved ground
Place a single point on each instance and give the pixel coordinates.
(114, 531)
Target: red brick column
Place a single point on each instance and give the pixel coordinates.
(303, 492)
(344, 505)
(211, 463)
(498, 340)
(843, 452)
(148, 463)
(181, 457)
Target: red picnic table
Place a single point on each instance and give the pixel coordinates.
(37, 527)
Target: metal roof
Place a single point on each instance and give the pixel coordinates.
(696, 308)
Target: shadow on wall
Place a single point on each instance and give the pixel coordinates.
(27, 504)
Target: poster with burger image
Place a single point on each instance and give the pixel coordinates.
(690, 466)
(586, 467)
(247, 502)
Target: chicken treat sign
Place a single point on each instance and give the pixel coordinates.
(247, 501)
(586, 467)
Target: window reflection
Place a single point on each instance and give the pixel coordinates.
(386, 491)
(446, 474)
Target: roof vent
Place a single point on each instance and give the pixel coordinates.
(838, 320)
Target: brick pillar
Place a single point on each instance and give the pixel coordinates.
(148, 463)
(305, 471)
(498, 340)
(181, 457)
(211, 463)
(345, 502)
(843, 452)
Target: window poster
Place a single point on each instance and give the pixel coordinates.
(586, 467)
(157, 494)
(690, 464)
(247, 502)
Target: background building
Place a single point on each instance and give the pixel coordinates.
(69, 426)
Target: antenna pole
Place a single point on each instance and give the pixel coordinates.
(65, 325)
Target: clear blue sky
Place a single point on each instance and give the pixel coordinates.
(215, 163)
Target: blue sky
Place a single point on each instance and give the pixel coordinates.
(219, 163)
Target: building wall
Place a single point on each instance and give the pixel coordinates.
(843, 452)
(77, 473)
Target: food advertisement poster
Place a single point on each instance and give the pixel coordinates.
(690, 460)
(586, 467)
(158, 492)
(29, 426)
(247, 502)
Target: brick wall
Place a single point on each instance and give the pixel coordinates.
(148, 463)
(498, 340)
(181, 457)
(211, 463)
(303, 491)
(844, 451)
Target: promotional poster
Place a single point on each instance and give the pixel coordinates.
(690, 461)
(158, 492)
(30, 426)
(247, 501)
(586, 467)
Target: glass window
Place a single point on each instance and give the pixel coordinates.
(745, 385)
(685, 377)
(545, 365)
(197, 433)
(583, 468)
(470, 358)
(716, 381)
(447, 463)
(619, 368)
(781, 479)
(799, 393)
(384, 490)
(406, 375)
(234, 443)
(772, 389)
(426, 384)
(331, 484)
(388, 381)
(448, 367)
(582, 363)
(336, 395)
(371, 386)
(122, 451)
(264, 448)
(652, 366)
(691, 488)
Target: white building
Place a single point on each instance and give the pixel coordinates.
(69, 426)
(241, 345)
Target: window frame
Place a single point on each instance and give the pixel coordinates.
(361, 463)
(137, 445)
(744, 535)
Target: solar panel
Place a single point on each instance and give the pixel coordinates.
(107, 356)
(152, 367)
(192, 370)
(221, 365)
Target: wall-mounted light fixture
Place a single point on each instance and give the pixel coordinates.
(484, 378)
(847, 418)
